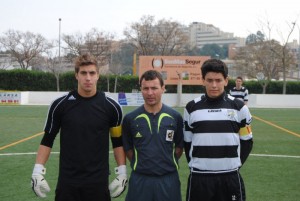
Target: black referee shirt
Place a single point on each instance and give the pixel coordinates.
(153, 139)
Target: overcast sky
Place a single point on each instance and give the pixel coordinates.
(240, 17)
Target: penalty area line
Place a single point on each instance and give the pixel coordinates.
(20, 141)
(276, 126)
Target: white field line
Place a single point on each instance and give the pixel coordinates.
(275, 156)
(258, 155)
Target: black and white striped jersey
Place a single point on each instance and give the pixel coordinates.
(241, 94)
(213, 130)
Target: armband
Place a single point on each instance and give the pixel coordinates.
(245, 131)
(116, 131)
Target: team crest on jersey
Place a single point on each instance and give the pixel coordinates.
(170, 135)
(230, 114)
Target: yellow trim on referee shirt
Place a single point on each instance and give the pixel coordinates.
(115, 131)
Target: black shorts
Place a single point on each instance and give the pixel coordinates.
(82, 192)
(215, 187)
(154, 188)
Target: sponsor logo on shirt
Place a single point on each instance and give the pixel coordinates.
(217, 110)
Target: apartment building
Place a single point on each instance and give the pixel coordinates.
(202, 34)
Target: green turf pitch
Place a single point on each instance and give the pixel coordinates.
(271, 173)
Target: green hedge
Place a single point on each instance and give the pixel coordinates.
(274, 87)
(106, 83)
(67, 81)
(24, 80)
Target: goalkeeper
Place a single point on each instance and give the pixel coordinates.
(84, 118)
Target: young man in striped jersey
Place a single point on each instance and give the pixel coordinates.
(239, 91)
(218, 139)
(84, 118)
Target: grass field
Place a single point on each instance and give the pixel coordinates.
(271, 173)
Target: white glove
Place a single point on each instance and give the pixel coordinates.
(39, 185)
(118, 185)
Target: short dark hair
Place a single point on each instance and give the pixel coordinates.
(151, 75)
(85, 60)
(239, 78)
(214, 65)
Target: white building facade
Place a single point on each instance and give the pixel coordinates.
(202, 34)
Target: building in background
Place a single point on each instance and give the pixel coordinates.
(202, 34)
(8, 62)
(294, 72)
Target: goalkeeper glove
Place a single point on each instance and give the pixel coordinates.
(118, 185)
(39, 185)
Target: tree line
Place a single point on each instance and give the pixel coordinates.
(261, 55)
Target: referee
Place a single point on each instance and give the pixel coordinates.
(153, 141)
(218, 139)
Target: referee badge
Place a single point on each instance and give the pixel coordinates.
(170, 135)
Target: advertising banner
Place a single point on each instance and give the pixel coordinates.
(130, 99)
(175, 68)
(10, 98)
